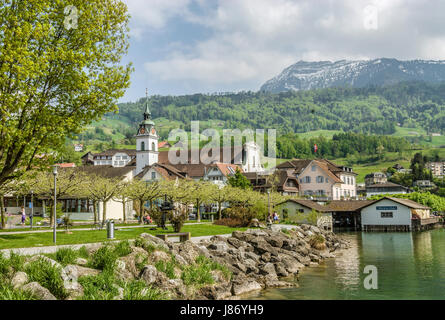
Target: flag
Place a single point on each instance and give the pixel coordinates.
(315, 148)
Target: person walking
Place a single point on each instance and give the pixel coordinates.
(23, 216)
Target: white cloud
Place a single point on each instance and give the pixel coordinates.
(250, 41)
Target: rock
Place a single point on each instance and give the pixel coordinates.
(245, 287)
(189, 251)
(79, 271)
(253, 256)
(219, 246)
(157, 256)
(266, 256)
(314, 258)
(251, 266)
(261, 246)
(175, 287)
(120, 295)
(81, 261)
(268, 268)
(154, 240)
(149, 274)
(275, 241)
(315, 229)
(240, 266)
(179, 259)
(291, 265)
(235, 242)
(19, 279)
(279, 284)
(313, 264)
(281, 270)
(243, 236)
(46, 259)
(257, 232)
(40, 292)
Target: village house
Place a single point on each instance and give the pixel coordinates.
(322, 179)
(437, 168)
(78, 147)
(385, 214)
(283, 182)
(377, 183)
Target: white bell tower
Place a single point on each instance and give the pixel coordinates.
(146, 141)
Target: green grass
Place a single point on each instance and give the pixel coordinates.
(10, 241)
(318, 133)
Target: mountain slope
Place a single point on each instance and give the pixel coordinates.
(324, 74)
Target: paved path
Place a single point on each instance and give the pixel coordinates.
(53, 249)
(90, 228)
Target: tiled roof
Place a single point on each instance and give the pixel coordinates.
(166, 171)
(409, 203)
(106, 171)
(233, 154)
(112, 152)
(386, 185)
(347, 205)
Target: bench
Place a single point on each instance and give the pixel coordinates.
(183, 236)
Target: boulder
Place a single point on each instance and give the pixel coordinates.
(219, 246)
(275, 241)
(245, 286)
(40, 292)
(189, 251)
(81, 261)
(266, 256)
(268, 268)
(44, 258)
(19, 279)
(149, 274)
(281, 270)
(79, 271)
(158, 255)
(154, 240)
(235, 242)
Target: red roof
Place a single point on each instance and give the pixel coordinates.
(163, 144)
(66, 165)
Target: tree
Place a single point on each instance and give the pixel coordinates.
(238, 180)
(200, 192)
(103, 189)
(142, 191)
(56, 76)
(220, 195)
(70, 182)
(122, 196)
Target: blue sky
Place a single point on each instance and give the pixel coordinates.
(205, 46)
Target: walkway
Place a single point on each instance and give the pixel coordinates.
(61, 229)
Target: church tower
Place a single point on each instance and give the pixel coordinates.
(146, 141)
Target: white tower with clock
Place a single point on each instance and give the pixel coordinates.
(146, 141)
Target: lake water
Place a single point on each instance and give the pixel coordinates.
(410, 266)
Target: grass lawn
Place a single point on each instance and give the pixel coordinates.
(79, 237)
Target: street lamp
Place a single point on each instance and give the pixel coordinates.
(32, 209)
(55, 203)
(268, 203)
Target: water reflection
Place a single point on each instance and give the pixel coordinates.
(410, 266)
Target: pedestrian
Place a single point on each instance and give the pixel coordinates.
(275, 217)
(23, 216)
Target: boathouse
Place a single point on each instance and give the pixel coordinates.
(395, 214)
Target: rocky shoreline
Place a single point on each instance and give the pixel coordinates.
(217, 268)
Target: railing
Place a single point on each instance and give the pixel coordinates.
(430, 220)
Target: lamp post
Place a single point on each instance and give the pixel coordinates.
(32, 209)
(268, 203)
(55, 204)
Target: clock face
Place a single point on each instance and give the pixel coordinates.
(142, 131)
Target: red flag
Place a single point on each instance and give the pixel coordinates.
(315, 148)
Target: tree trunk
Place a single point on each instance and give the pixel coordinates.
(2, 207)
(124, 214)
(141, 211)
(219, 211)
(51, 215)
(43, 208)
(95, 211)
(198, 211)
(104, 211)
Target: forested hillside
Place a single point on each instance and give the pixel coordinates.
(372, 110)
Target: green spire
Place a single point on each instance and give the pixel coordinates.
(147, 110)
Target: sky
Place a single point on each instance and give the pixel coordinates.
(207, 46)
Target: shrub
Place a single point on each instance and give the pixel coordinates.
(242, 214)
(83, 253)
(230, 222)
(200, 273)
(317, 241)
(156, 215)
(100, 287)
(168, 267)
(48, 276)
(123, 248)
(138, 290)
(104, 258)
(177, 219)
(7, 292)
(66, 256)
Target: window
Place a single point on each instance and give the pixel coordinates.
(307, 179)
(301, 210)
(153, 146)
(327, 180)
(118, 157)
(347, 179)
(386, 214)
(320, 179)
(142, 146)
(314, 167)
(153, 176)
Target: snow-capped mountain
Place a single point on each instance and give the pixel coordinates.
(322, 74)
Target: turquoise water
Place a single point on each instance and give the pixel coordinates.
(409, 265)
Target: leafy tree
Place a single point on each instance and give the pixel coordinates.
(143, 191)
(102, 189)
(238, 180)
(55, 79)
